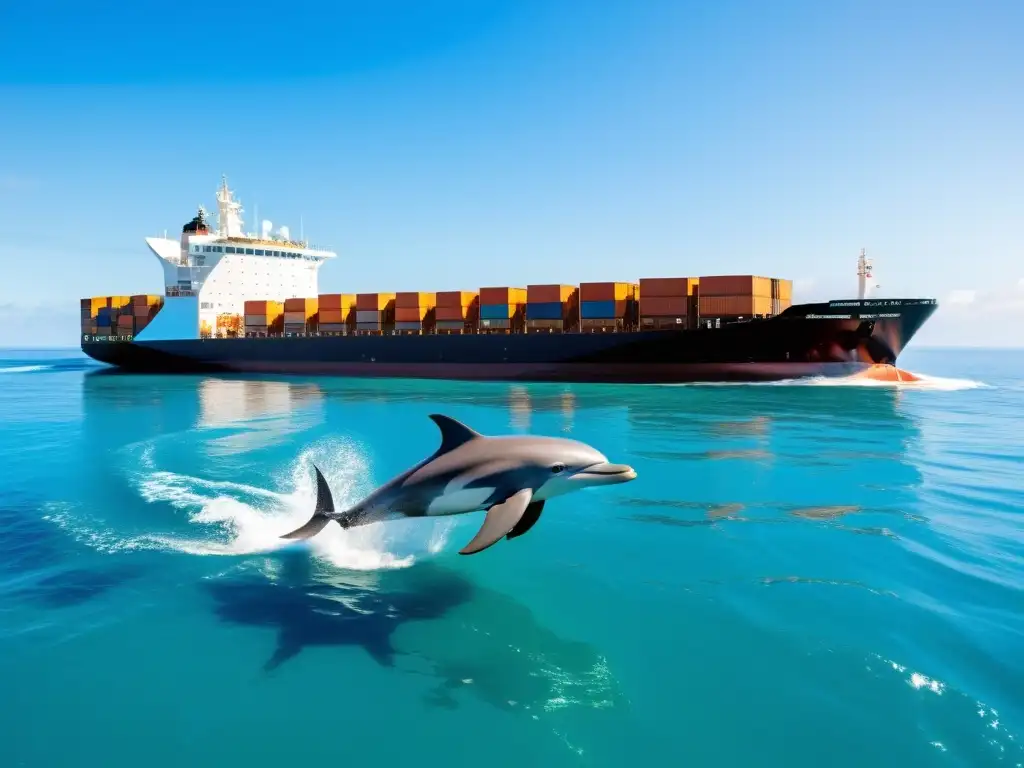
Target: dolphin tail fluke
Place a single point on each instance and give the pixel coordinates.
(323, 514)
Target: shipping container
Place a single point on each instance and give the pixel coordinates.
(294, 328)
(366, 302)
(454, 313)
(333, 328)
(607, 291)
(301, 306)
(660, 287)
(784, 289)
(269, 309)
(734, 306)
(338, 302)
(547, 326)
(414, 299)
(498, 311)
(450, 325)
(413, 314)
(604, 309)
(410, 326)
(495, 323)
(654, 306)
(549, 294)
(547, 311)
(336, 316)
(601, 325)
(256, 320)
(146, 300)
(735, 285)
(371, 316)
(664, 323)
(456, 298)
(503, 295)
(370, 326)
(140, 323)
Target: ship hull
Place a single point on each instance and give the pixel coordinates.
(832, 340)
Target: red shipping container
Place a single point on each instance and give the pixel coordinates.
(373, 301)
(606, 291)
(336, 300)
(549, 294)
(329, 316)
(660, 306)
(455, 298)
(411, 314)
(450, 313)
(412, 299)
(735, 285)
(657, 287)
(503, 295)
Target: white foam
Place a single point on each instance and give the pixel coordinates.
(24, 369)
(233, 519)
(924, 383)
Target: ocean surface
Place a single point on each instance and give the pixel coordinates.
(801, 575)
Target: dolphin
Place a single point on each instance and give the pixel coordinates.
(511, 477)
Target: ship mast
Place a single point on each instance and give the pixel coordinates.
(863, 274)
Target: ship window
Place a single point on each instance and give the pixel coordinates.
(248, 251)
(231, 249)
(206, 248)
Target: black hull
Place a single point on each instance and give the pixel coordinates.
(834, 339)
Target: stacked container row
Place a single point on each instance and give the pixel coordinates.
(733, 296)
(336, 312)
(502, 309)
(456, 311)
(415, 312)
(230, 325)
(782, 295)
(118, 315)
(263, 318)
(300, 315)
(551, 308)
(668, 302)
(375, 312)
(607, 306)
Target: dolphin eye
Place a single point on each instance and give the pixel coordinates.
(558, 468)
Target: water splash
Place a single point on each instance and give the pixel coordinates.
(234, 519)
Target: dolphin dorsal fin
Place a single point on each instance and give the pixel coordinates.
(453, 433)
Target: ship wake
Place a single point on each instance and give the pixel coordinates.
(234, 519)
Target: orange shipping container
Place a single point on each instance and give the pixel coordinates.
(785, 290)
(455, 298)
(491, 296)
(734, 306)
(549, 294)
(735, 285)
(658, 287)
(144, 299)
(336, 301)
(330, 316)
(411, 314)
(607, 291)
(373, 301)
(406, 299)
(662, 306)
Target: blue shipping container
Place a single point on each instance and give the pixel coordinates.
(597, 309)
(549, 310)
(494, 312)
(104, 321)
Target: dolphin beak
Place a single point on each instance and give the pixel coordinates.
(608, 473)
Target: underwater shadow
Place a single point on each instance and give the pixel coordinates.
(307, 609)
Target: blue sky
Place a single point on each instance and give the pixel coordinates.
(448, 145)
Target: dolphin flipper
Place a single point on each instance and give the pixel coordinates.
(501, 518)
(528, 520)
(323, 513)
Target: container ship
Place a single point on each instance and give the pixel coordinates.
(236, 302)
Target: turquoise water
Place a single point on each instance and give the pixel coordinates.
(801, 575)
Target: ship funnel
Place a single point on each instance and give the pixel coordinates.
(283, 232)
(265, 229)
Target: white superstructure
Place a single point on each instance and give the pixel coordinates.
(221, 268)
